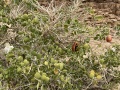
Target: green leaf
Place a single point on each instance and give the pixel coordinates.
(99, 17)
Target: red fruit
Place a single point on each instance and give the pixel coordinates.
(109, 38)
(74, 46)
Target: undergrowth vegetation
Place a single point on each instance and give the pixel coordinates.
(41, 57)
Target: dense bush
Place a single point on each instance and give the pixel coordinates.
(42, 57)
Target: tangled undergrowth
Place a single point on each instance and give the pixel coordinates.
(38, 53)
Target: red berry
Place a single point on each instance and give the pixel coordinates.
(74, 46)
(109, 38)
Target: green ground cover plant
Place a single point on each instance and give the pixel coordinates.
(41, 57)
